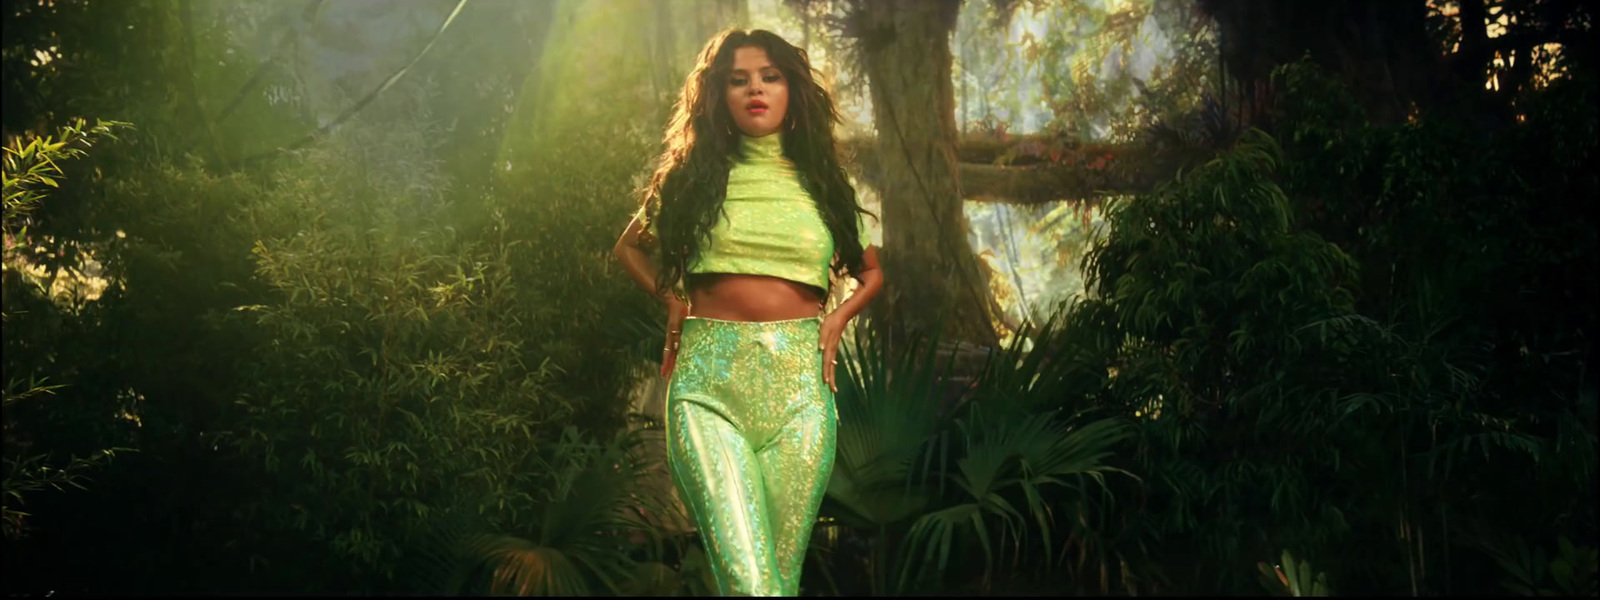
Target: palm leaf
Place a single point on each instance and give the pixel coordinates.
(518, 566)
(1007, 451)
(889, 417)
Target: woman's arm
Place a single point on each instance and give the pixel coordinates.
(636, 261)
(871, 278)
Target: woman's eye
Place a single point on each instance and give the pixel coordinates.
(772, 78)
(737, 81)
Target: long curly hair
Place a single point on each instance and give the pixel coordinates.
(690, 184)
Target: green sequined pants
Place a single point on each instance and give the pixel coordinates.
(750, 442)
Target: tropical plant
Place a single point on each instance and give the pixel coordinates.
(1002, 457)
(893, 410)
(924, 455)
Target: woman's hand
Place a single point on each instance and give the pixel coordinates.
(832, 332)
(676, 312)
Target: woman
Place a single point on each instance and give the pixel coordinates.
(749, 212)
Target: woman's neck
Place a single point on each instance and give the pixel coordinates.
(765, 147)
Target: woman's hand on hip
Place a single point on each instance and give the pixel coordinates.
(832, 331)
(676, 312)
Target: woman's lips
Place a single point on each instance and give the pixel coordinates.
(758, 111)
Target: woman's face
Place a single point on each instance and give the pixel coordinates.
(758, 94)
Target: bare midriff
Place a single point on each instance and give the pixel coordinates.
(740, 297)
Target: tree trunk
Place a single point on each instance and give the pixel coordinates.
(966, 100)
(933, 283)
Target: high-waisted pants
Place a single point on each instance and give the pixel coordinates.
(751, 428)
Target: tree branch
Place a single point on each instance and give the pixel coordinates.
(1084, 174)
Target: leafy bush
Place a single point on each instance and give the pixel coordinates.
(1322, 351)
(392, 382)
(1205, 295)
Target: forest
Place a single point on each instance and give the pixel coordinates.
(1182, 297)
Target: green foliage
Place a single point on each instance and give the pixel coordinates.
(32, 166)
(395, 383)
(885, 427)
(1204, 292)
(890, 420)
(1003, 456)
(421, 350)
(31, 171)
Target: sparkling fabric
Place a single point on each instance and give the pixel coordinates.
(751, 428)
(771, 226)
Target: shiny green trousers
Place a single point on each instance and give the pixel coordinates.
(750, 441)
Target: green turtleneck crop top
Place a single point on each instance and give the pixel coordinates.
(772, 226)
